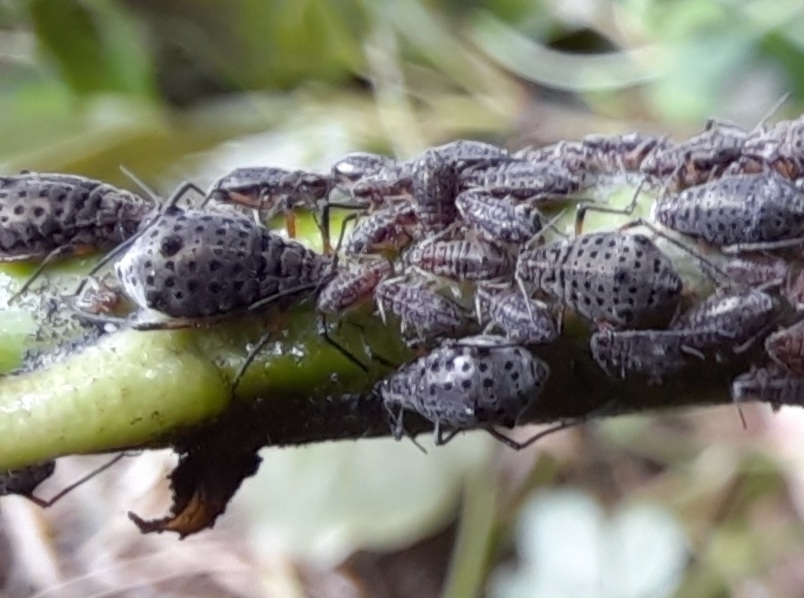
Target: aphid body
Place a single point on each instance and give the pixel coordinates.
(462, 260)
(428, 313)
(388, 228)
(350, 287)
(522, 179)
(435, 186)
(357, 165)
(44, 213)
(650, 353)
(786, 347)
(521, 323)
(500, 220)
(770, 385)
(474, 382)
(271, 187)
(621, 279)
(193, 264)
(746, 211)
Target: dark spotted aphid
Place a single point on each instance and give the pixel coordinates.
(435, 186)
(613, 277)
(523, 180)
(47, 216)
(350, 287)
(357, 165)
(770, 384)
(193, 265)
(463, 153)
(462, 260)
(698, 159)
(271, 190)
(392, 183)
(653, 354)
(729, 320)
(390, 229)
(421, 310)
(757, 270)
(475, 382)
(499, 220)
(615, 154)
(574, 156)
(523, 321)
(779, 146)
(748, 212)
(786, 347)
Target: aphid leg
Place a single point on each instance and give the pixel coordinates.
(518, 446)
(441, 438)
(526, 295)
(692, 352)
(44, 504)
(59, 252)
(323, 331)
(583, 208)
(767, 246)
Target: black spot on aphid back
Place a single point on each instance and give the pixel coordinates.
(488, 382)
(466, 384)
(171, 245)
(19, 210)
(39, 211)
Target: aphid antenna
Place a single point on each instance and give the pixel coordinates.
(773, 110)
(44, 504)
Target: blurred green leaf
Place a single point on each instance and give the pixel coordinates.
(95, 45)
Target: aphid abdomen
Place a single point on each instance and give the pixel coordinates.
(522, 323)
(650, 353)
(462, 260)
(500, 220)
(349, 288)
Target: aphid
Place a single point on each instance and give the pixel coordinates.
(463, 153)
(435, 186)
(728, 319)
(786, 347)
(192, 265)
(613, 154)
(428, 313)
(650, 353)
(737, 213)
(698, 159)
(392, 183)
(770, 385)
(274, 190)
(357, 165)
(499, 220)
(349, 287)
(462, 260)
(386, 229)
(613, 277)
(508, 310)
(757, 270)
(24, 480)
(780, 146)
(523, 180)
(47, 216)
(476, 382)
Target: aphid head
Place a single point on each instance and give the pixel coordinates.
(353, 167)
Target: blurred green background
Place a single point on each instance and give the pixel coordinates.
(672, 505)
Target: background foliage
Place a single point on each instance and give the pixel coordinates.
(680, 504)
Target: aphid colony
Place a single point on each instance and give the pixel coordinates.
(457, 248)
